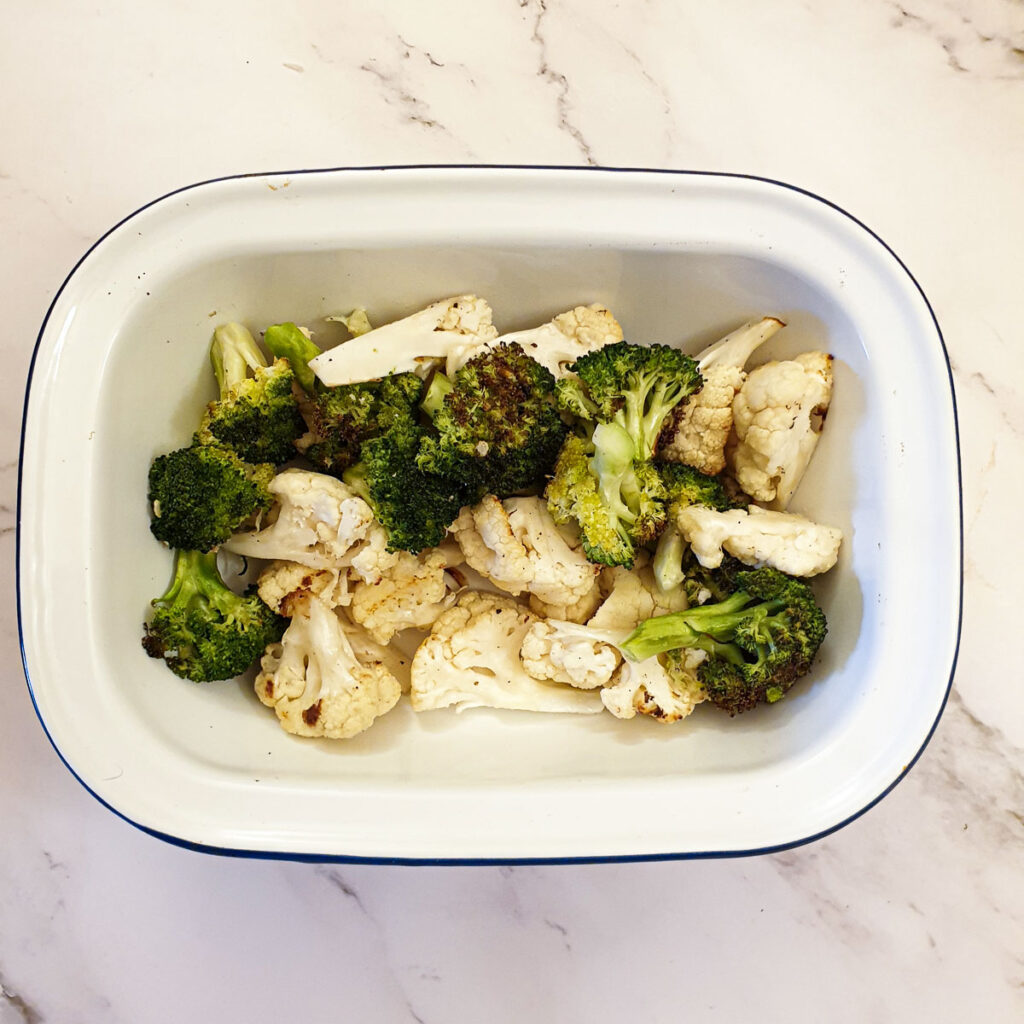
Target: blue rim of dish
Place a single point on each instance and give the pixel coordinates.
(491, 861)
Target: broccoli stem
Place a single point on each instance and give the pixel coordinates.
(355, 477)
(612, 463)
(440, 386)
(233, 353)
(646, 407)
(709, 627)
(287, 341)
(668, 559)
(196, 576)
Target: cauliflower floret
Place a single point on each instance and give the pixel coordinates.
(318, 520)
(471, 660)
(632, 597)
(787, 542)
(410, 595)
(281, 583)
(518, 547)
(778, 416)
(409, 344)
(555, 344)
(701, 425)
(370, 559)
(565, 652)
(667, 694)
(316, 684)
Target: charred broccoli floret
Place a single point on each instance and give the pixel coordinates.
(202, 629)
(200, 496)
(497, 426)
(616, 500)
(416, 508)
(257, 416)
(634, 386)
(759, 639)
(340, 419)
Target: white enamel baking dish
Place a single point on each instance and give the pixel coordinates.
(120, 374)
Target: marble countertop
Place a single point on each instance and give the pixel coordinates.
(909, 114)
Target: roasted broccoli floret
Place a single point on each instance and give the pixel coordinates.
(416, 508)
(341, 418)
(497, 427)
(759, 639)
(684, 485)
(257, 416)
(200, 496)
(701, 585)
(635, 386)
(202, 629)
(617, 500)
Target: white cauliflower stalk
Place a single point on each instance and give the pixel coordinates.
(471, 660)
(778, 416)
(411, 344)
(518, 547)
(316, 684)
(318, 519)
(556, 344)
(701, 426)
(410, 595)
(368, 651)
(757, 536)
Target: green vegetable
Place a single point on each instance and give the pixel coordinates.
(617, 501)
(685, 485)
(415, 507)
(498, 430)
(340, 419)
(202, 629)
(257, 416)
(635, 386)
(286, 341)
(759, 639)
(200, 496)
(440, 386)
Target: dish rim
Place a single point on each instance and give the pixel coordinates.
(485, 861)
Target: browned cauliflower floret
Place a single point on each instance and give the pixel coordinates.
(317, 520)
(518, 547)
(666, 692)
(316, 684)
(281, 583)
(471, 660)
(700, 429)
(756, 536)
(411, 594)
(778, 417)
(632, 595)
